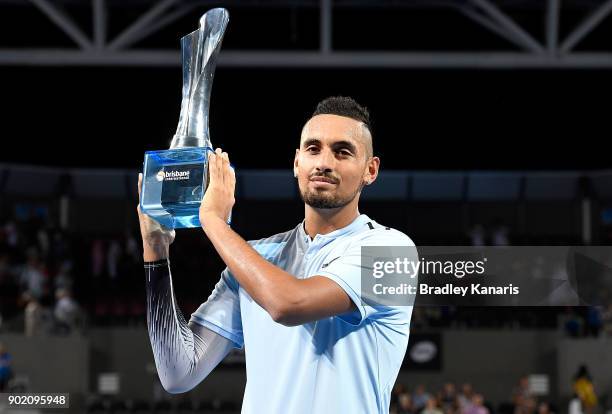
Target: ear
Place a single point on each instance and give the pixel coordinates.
(371, 171)
(295, 162)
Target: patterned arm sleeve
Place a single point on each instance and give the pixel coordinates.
(184, 353)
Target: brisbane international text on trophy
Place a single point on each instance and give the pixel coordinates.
(174, 180)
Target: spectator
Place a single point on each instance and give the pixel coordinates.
(575, 406)
(398, 389)
(405, 405)
(63, 279)
(584, 389)
(33, 274)
(67, 312)
(448, 398)
(526, 405)
(522, 388)
(544, 408)
(522, 397)
(432, 407)
(5, 368)
(594, 321)
(464, 399)
(573, 324)
(476, 406)
(419, 398)
(38, 319)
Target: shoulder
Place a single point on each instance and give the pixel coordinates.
(380, 235)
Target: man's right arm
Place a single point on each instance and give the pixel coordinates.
(184, 353)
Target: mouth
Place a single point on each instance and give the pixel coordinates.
(323, 180)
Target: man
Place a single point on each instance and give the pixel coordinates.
(293, 299)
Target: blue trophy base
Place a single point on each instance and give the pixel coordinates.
(174, 182)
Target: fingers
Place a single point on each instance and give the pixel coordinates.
(219, 161)
(213, 169)
(139, 190)
(232, 176)
(219, 168)
(226, 172)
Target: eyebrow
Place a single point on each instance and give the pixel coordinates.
(338, 144)
(311, 141)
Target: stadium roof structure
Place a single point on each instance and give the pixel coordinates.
(500, 34)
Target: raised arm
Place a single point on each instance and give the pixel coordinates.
(184, 353)
(288, 300)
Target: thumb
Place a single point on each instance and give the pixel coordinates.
(139, 183)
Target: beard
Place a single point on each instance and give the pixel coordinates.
(326, 200)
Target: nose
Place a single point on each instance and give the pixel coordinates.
(325, 160)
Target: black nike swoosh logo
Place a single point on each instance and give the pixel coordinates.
(328, 263)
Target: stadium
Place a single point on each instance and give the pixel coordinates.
(488, 121)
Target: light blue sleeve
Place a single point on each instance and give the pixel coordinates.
(221, 311)
(346, 271)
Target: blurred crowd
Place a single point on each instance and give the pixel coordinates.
(36, 278)
(448, 399)
(55, 282)
(591, 321)
(525, 398)
(49, 281)
(452, 399)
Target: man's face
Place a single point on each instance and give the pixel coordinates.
(333, 161)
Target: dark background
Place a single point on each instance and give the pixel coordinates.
(434, 119)
(423, 118)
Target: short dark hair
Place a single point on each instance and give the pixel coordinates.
(344, 106)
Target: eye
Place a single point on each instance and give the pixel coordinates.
(311, 148)
(344, 152)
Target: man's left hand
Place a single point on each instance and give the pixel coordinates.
(219, 196)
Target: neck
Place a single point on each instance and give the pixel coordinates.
(326, 220)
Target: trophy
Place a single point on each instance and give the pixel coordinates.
(174, 180)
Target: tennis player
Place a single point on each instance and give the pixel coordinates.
(292, 300)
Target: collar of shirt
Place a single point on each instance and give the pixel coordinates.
(322, 239)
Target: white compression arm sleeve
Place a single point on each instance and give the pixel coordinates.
(184, 353)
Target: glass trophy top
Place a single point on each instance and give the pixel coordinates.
(199, 50)
(174, 180)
